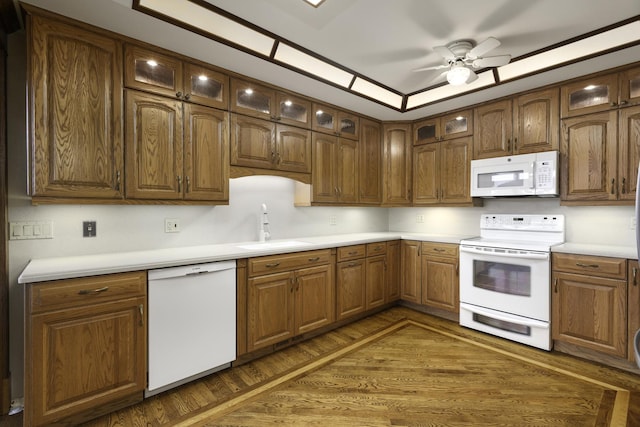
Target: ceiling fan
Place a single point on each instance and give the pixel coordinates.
(462, 57)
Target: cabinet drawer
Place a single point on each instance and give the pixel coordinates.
(379, 248)
(351, 252)
(616, 268)
(440, 249)
(277, 263)
(67, 293)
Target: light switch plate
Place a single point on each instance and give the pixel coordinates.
(30, 230)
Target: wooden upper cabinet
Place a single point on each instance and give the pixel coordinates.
(175, 153)
(493, 130)
(397, 164)
(628, 151)
(335, 169)
(536, 121)
(330, 120)
(75, 102)
(589, 155)
(601, 93)
(260, 101)
(370, 162)
(450, 126)
(166, 75)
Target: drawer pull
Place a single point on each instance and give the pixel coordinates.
(141, 309)
(93, 291)
(439, 249)
(314, 259)
(273, 264)
(555, 285)
(635, 276)
(579, 264)
(353, 253)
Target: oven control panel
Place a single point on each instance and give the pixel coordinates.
(522, 222)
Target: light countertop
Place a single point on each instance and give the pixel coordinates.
(43, 269)
(629, 252)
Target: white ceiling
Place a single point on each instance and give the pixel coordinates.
(380, 39)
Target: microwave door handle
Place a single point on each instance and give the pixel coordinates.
(530, 255)
(533, 177)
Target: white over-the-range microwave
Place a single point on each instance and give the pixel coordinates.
(533, 174)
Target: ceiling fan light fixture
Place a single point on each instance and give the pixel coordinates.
(458, 75)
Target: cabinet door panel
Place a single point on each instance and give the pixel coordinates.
(270, 309)
(293, 110)
(86, 357)
(589, 157)
(411, 271)
(252, 99)
(589, 96)
(75, 85)
(629, 146)
(455, 170)
(206, 162)
(252, 142)
(536, 125)
(633, 288)
(426, 174)
(323, 174)
(347, 171)
(350, 284)
(205, 86)
(457, 125)
(376, 281)
(590, 312)
(492, 133)
(397, 165)
(315, 301)
(152, 71)
(440, 283)
(630, 87)
(293, 149)
(154, 147)
(426, 131)
(370, 162)
(392, 280)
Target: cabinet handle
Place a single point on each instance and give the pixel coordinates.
(178, 94)
(141, 311)
(93, 291)
(555, 285)
(515, 144)
(509, 144)
(297, 284)
(635, 276)
(439, 249)
(273, 264)
(378, 248)
(292, 282)
(118, 180)
(624, 102)
(613, 183)
(351, 264)
(579, 264)
(613, 104)
(335, 189)
(179, 178)
(187, 96)
(314, 259)
(188, 189)
(457, 268)
(278, 158)
(352, 253)
(624, 183)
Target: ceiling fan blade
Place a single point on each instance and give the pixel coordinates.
(472, 77)
(445, 52)
(483, 47)
(491, 61)
(435, 67)
(437, 79)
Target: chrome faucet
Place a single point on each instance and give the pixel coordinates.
(265, 234)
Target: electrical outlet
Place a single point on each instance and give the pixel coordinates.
(171, 225)
(419, 219)
(633, 224)
(333, 220)
(89, 229)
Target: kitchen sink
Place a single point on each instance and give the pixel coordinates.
(274, 245)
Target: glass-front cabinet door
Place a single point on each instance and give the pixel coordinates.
(324, 119)
(426, 131)
(152, 72)
(589, 96)
(630, 87)
(293, 110)
(252, 99)
(205, 86)
(456, 125)
(348, 125)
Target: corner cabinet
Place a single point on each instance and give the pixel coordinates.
(75, 118)
(85, 347)
(397, 164)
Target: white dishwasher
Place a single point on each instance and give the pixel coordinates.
(192, 323)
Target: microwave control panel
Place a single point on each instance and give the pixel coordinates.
(545, 174)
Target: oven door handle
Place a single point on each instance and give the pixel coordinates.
(527, 255)
(511, 319)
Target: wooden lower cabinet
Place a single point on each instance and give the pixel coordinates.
(440, 280)
(85, 347)
(633, 305)
(411, 271)
(589, 302)
(351, 281)
(298, 297)
(376, 266)
(393, 277)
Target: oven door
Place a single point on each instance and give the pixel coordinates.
(510, 281)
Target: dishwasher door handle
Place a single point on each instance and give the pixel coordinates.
(190, 270)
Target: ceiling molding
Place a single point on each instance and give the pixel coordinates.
(245, 36)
